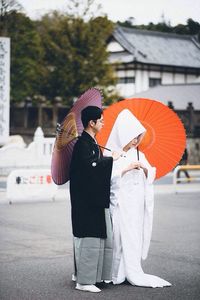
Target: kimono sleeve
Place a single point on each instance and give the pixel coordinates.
(151, 170)
(98, 170)
(148, 206)
(115, 186)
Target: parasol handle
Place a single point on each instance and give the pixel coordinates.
(122, 155)
(102, 147)
(138, 155)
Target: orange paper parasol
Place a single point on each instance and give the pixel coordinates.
(165, 139)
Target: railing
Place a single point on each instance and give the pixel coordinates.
(185, 168)
(36, 155)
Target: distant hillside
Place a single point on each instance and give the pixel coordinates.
(191, 28)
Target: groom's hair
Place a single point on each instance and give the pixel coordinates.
(90, 113)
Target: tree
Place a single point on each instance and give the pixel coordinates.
(75, 55)
(26, 56)
(60, 55)
(82, 9)
(193, 26)
(181, 29)
(6, 8)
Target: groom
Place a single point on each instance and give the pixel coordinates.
(90, 174)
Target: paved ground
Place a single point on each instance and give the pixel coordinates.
(36, 253)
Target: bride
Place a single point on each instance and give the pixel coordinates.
(132, 203)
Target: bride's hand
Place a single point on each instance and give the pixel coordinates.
(133, 165)
(144, 169)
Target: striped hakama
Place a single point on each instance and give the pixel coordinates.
(93, 256)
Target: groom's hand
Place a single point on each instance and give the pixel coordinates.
(116, 155)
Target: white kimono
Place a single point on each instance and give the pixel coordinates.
(132, 203)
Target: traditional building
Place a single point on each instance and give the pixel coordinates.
(144, 59)
(163, 67)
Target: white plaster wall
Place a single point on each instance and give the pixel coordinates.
(121, 73)
(138, 81)
(126, 90)
(197, 79)
(179, 78)
(142, 80)
(130, 73)
(191, 78)
(154, 74)
(145, 80)
(167, 78)
(114, 47)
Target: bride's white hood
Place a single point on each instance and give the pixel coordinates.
(126, 128)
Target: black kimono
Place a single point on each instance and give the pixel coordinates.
(90, 175)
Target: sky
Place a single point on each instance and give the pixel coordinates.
(143, 11)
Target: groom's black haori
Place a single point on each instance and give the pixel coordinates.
(90, 175)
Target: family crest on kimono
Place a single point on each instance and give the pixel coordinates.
(132, 203)
(90, 175)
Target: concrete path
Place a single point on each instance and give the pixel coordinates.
(36, 259)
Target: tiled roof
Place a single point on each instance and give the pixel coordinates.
(179, 94)
(159, 48)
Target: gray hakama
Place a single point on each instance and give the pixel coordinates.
(93, 256)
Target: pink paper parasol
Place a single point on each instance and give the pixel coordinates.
(68, 132)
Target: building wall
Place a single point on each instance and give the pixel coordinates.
(142, 77)
(192, 78)
(167, 78)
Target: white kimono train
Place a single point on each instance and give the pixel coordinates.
(132, 202)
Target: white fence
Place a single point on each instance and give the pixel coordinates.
(36, 155)
(194, 177)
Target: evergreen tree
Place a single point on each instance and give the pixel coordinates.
(75, 55)
(26, 56)
(6, 8)
(193, 26)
